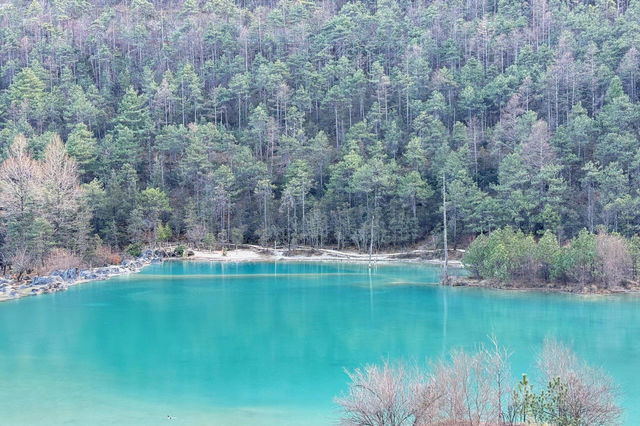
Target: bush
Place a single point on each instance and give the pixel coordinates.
(504, 254)
(100, 254)
(476, 255)
(475, 389)
(209, 241)
(163, 232)
(135, 249)
(60, 258)
(579, 261)
(614, 261)
(179, 251)
(547, 254)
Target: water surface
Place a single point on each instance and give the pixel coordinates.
(266, 343)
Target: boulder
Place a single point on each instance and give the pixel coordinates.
(67, 274)
(88, 274)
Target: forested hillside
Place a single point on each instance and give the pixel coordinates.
(314, 122)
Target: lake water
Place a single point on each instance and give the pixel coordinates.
(266, 343)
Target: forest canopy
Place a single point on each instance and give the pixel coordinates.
(303, 122)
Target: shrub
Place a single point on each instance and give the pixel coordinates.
(163, 232)
(196, 234)
(475, 256)
(101, 254)
(60, 258)
(634, 253)
(209, 241)
(135, 249)
(179, 251)
(475, 390)
(580, 258)
(547, 254)
(614, 262)
(503, 254)
(576, 392)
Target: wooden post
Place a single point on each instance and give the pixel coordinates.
(445, 272)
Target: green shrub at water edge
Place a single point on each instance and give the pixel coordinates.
(179, 251)
(134, 250)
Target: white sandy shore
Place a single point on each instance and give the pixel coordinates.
(257, 254)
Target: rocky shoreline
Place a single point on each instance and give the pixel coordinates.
(61, 280)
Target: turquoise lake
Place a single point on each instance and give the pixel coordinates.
(267, 343)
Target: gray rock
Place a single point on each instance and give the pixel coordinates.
(88, 274)
(67, 274)
(47, 279)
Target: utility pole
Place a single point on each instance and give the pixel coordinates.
(445, 272)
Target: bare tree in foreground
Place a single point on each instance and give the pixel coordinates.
(378, 396)
(468, 389)
(475, 390)
(582, 394)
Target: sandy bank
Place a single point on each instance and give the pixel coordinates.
(248, 253)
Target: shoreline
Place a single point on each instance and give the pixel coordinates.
(575, 290)
(250, 253)
(63, 279)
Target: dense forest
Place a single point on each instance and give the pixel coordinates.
(318, 123)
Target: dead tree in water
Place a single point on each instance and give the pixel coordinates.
(371, 241)
(444, 279)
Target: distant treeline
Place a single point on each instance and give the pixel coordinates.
(321, 123)
(602, 259)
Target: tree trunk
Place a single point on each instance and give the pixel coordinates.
(445, 272)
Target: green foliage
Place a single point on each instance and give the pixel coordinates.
(503, 254)
(545, 407)
(580, 259)
(82, 146)
(135, 249)
(506, 254)
(179, 251)
(163, 232)
(299, 139)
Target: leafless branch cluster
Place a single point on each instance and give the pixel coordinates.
(467, 389)
(477, 390)
(590, 394)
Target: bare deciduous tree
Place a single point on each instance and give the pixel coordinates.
(472, 387)
(467, 389)
(475, 390)
(536, 150)
(589, 397)
(615, 262)
(378, 396)
(19, 175)
(62, 196)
